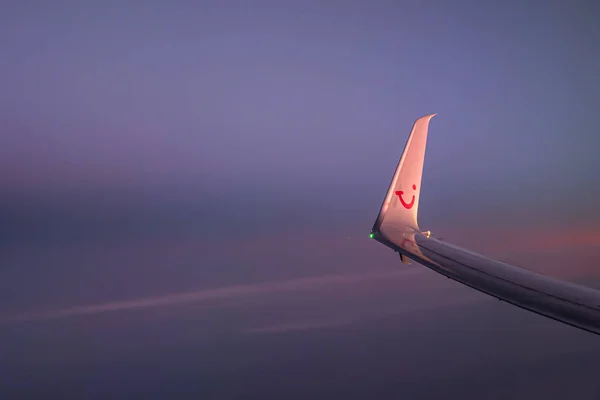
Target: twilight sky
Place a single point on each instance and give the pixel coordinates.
(214, 167)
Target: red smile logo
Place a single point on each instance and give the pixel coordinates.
(406, 205)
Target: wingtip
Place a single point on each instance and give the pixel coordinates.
(426, 118)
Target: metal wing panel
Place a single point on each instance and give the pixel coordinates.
(563, 301)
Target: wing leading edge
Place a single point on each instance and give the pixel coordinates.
(397, 227)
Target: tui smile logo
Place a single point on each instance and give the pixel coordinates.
(406, 205)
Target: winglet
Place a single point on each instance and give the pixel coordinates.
(401, 202)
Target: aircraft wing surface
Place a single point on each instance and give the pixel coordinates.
(397, 227)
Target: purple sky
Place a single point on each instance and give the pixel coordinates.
(221, 94)
(155, 150)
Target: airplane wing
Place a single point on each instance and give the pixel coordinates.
(397, 227)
